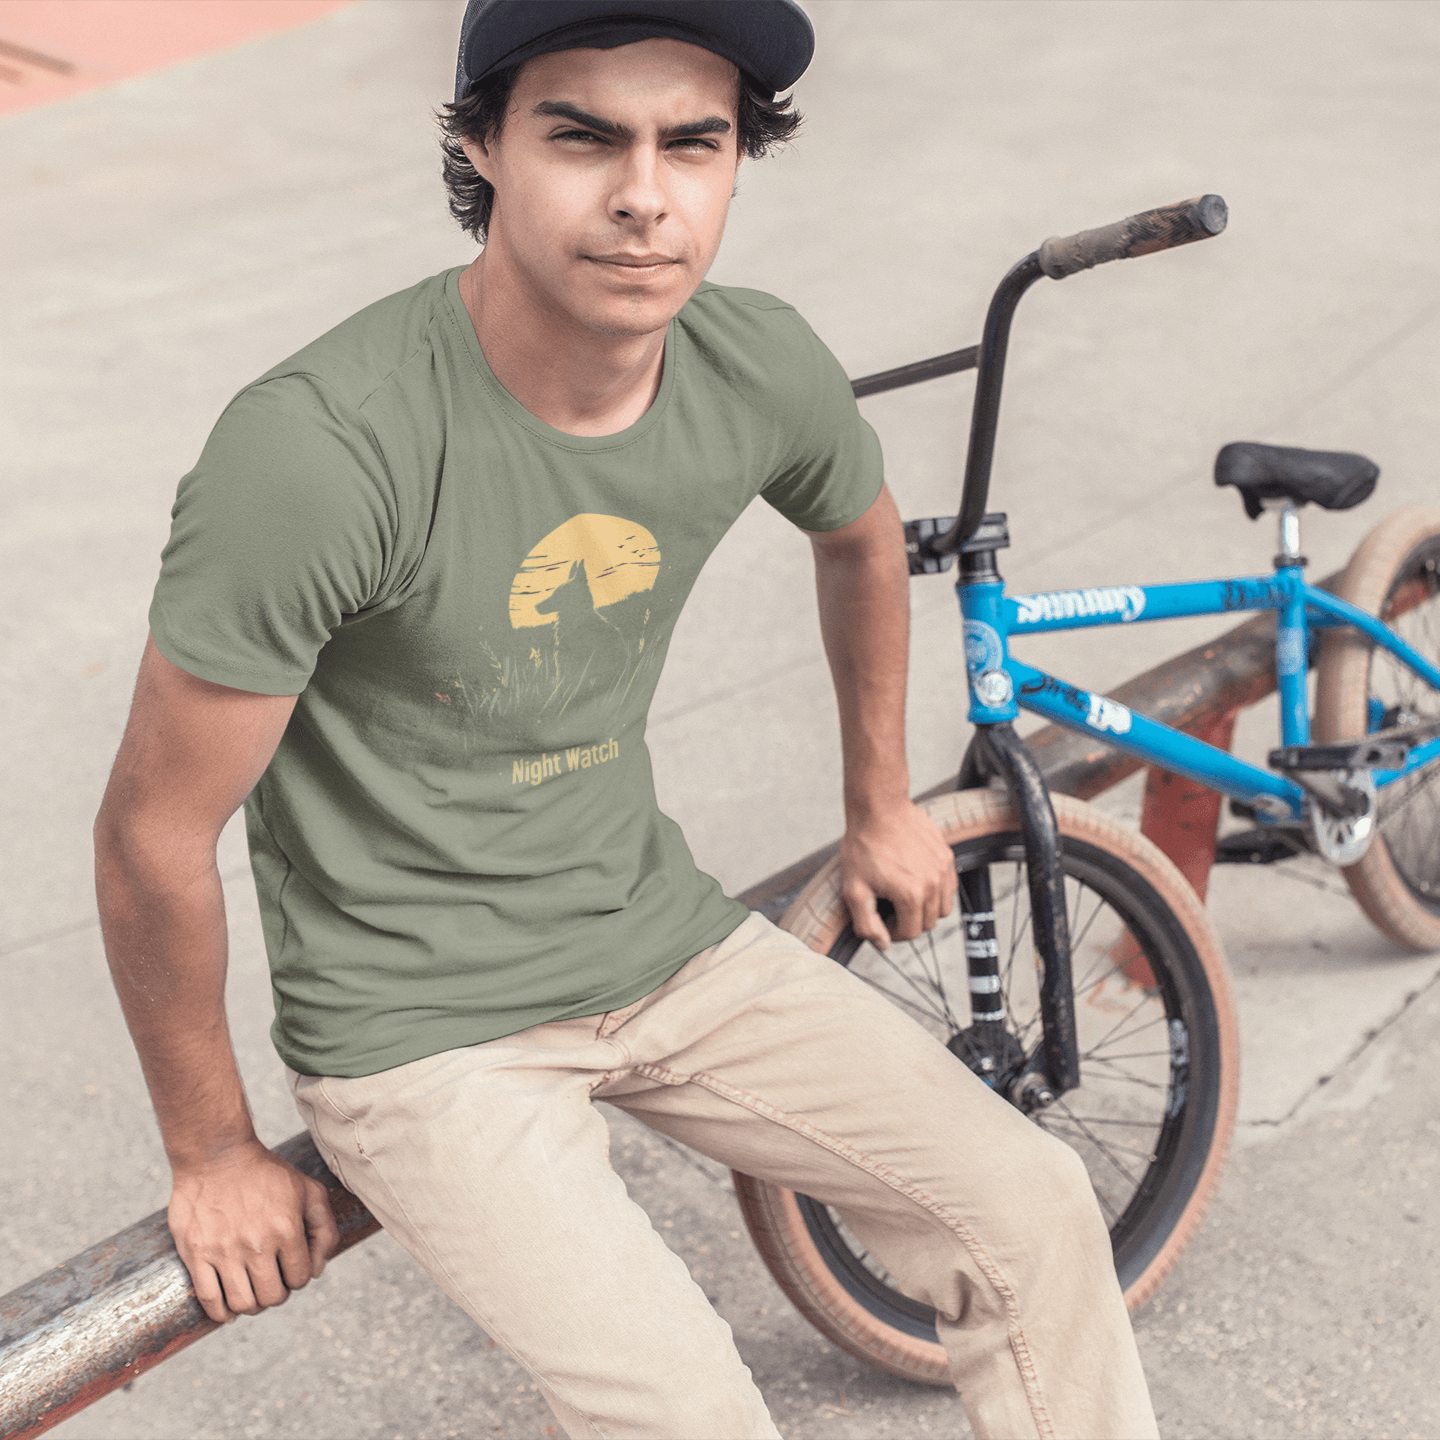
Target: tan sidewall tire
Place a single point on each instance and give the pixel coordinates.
(817, 917)
(1342, 687)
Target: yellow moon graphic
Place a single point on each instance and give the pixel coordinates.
(621, 558)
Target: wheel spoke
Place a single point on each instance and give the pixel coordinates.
(1079, 940)
(1129, 1015)
(1016, 930)
(1113, 1039)
(885, 956)
(1110, 1120)
(1126, 1075)
(1146, 1155)
(1095, 1140)
(1142, 1055)
(938, 978)
(928, 1011)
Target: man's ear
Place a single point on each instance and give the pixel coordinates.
(479, 157)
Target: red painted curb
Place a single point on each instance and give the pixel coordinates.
(53, 49)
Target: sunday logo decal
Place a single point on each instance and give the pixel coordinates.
(1126, 601)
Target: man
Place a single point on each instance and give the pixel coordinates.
(413, 608)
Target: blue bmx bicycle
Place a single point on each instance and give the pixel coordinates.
(1080, 977)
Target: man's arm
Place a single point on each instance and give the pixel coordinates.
(249, 1227)
(891, 849)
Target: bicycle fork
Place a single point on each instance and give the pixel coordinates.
(986, 1046)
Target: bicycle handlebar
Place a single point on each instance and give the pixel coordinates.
(1179, 224)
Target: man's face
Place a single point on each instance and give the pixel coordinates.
(613, 172)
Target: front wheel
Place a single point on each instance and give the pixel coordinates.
(1395, 574)
(1155, 1108)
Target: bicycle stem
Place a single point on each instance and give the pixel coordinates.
(985, 415)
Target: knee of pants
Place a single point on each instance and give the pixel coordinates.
(1064, 1196)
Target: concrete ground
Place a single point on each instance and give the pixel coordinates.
(170, 237)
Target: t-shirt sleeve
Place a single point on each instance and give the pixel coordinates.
(832, 474)
(281, 531)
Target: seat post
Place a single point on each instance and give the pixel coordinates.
(1289, 554)
(1291, 640)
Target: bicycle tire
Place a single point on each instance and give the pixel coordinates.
(1395, 569)
(1155, 921)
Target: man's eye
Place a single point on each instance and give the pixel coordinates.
(581, 136)
(692, 142)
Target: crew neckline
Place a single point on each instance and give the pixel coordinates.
(536, 426)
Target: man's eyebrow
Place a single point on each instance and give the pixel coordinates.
(710, 125)
(565, 111)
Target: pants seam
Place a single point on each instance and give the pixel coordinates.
(1019, 1344)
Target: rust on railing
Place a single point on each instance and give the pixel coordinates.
(116, 1310)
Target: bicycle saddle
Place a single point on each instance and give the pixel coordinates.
(1333, 479)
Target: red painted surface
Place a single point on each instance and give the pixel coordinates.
(113, 1346)
(102, 1385)
(1180, 815)
(52, 49)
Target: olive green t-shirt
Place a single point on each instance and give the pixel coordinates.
(458, 835)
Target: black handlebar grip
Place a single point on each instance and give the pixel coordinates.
(1151, 230)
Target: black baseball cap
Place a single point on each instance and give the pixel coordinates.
(770, 41)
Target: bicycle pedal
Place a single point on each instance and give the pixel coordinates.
(1370, 754)
(1258, 847)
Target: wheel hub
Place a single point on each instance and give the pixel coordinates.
(990, 1051)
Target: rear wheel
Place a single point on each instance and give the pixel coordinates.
(1395, 574)
(1152, 1117)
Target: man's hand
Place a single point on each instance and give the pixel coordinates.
(899, 856)
(250, 1229)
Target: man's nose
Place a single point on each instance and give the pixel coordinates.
(640, 194)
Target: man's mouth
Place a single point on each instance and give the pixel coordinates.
(639, 264)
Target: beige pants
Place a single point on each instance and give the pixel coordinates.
(489, 1165)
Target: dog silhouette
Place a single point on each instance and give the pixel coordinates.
(591, 654)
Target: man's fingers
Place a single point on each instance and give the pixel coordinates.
(266, 1283)
(208, 1292)
(294, 1260)
(320, 1226)
(947, 899)
(909, 918)
(864, 917)
(239, 1294)
(932, 910)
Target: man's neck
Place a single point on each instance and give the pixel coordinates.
(561, 371)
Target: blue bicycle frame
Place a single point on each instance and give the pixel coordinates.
(1000, 685)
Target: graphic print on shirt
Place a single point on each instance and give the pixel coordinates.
(584, 636)
(581, 599)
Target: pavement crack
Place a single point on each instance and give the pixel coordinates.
(1317, 881)
(1366, 1041)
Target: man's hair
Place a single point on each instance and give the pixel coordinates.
(761, 124)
